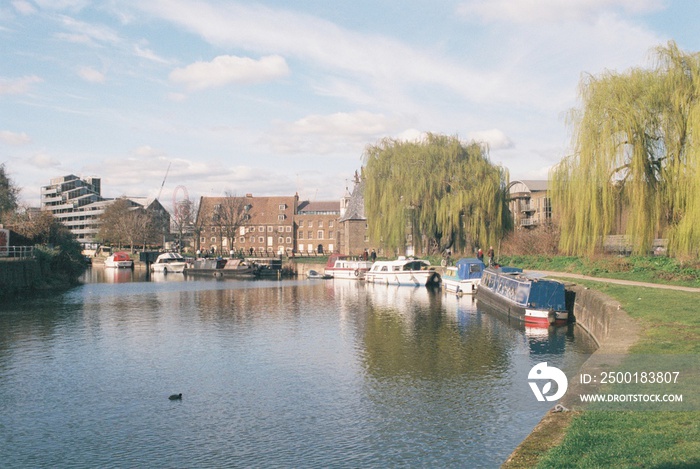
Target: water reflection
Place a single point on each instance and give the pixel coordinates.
(273, 373)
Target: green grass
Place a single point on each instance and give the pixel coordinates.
(656, 269)
(671, 325)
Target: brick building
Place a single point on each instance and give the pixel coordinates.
(317, 227)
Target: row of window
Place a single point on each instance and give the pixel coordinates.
(252, 240)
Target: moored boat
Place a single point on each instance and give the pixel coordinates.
(536, 301)
(318, 275)
(346, 267)
(235, 268)
(464, 276)
(119, 260)
(169, 262)
(403, 271)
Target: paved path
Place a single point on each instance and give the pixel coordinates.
(615, 280)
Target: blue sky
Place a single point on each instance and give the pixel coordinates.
(274, 97)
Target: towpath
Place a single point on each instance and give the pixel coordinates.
(615, 280)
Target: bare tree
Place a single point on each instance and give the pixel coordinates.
(229, 216)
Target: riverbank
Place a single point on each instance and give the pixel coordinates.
(668, 324)
(42, 274)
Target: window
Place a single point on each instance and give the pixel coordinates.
(280, 229)
(261, 229)
(270, 229)
(319, 235)
(301, 235)
(330, 234)
(252, 228)
(283, 206)
(311, 234)
(242, 239)
(202, 239)
(330, 224)
(320, 223)
(280, 240)
(289, 240)
(261, 239)
(213, 239)
(288, 229)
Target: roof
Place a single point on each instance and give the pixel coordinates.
(356, 205)
(328, 207)
(530, 185)
(262, 210)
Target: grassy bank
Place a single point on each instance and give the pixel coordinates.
(671, 325)
(657, 269)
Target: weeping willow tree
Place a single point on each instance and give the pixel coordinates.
(635, 147)
(438, 190)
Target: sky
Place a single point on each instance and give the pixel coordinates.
(276, 97)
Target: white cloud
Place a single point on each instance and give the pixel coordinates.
(527, 11)
(14, 138)
(495, 138)
(226, 69)
(340, 132)
(43, 161)
(23, 7)
(91, 75)
(87, 33)
(17, 85)
(148, 54)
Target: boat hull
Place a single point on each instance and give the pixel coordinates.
(347, 274)
(414, 278)
(171, 267)
(530, 316)
(119, 264)
(462, 287)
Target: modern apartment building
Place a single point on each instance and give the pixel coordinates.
(529, 203)
(78, 204)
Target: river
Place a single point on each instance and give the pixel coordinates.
(291, 373)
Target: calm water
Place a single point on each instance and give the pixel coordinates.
(296, 373)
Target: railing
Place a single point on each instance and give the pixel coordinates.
(17, 252)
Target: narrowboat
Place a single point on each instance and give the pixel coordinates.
(535, 301)
(464, 276)
(403, 271)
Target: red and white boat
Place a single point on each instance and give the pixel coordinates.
(346, 267)
(119, 260)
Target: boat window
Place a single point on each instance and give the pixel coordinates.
(384, 269)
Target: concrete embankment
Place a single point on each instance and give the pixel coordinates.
(615, 332)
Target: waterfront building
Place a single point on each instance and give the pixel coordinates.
(530, 204)
(317, 227)
(353, 235)
(254, 225)
(78, 204)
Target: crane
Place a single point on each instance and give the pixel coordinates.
(166, 177)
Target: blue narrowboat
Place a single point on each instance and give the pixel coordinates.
(536, 301)
(464, 276)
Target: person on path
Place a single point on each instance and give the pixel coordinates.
(480, 255)
(489, 253)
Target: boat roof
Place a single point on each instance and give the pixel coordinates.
(401, 261)
(170, 255)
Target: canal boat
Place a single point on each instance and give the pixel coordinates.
(464, 276)
(403, 271)
(169, 262)
(346, 267)
(119, 260)
(229, 268)
(535, 301)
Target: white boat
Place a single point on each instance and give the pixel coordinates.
(346, 267)
(403, 271)
(119, 260)
(314, 274)
(169, 262)
(463, 277)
